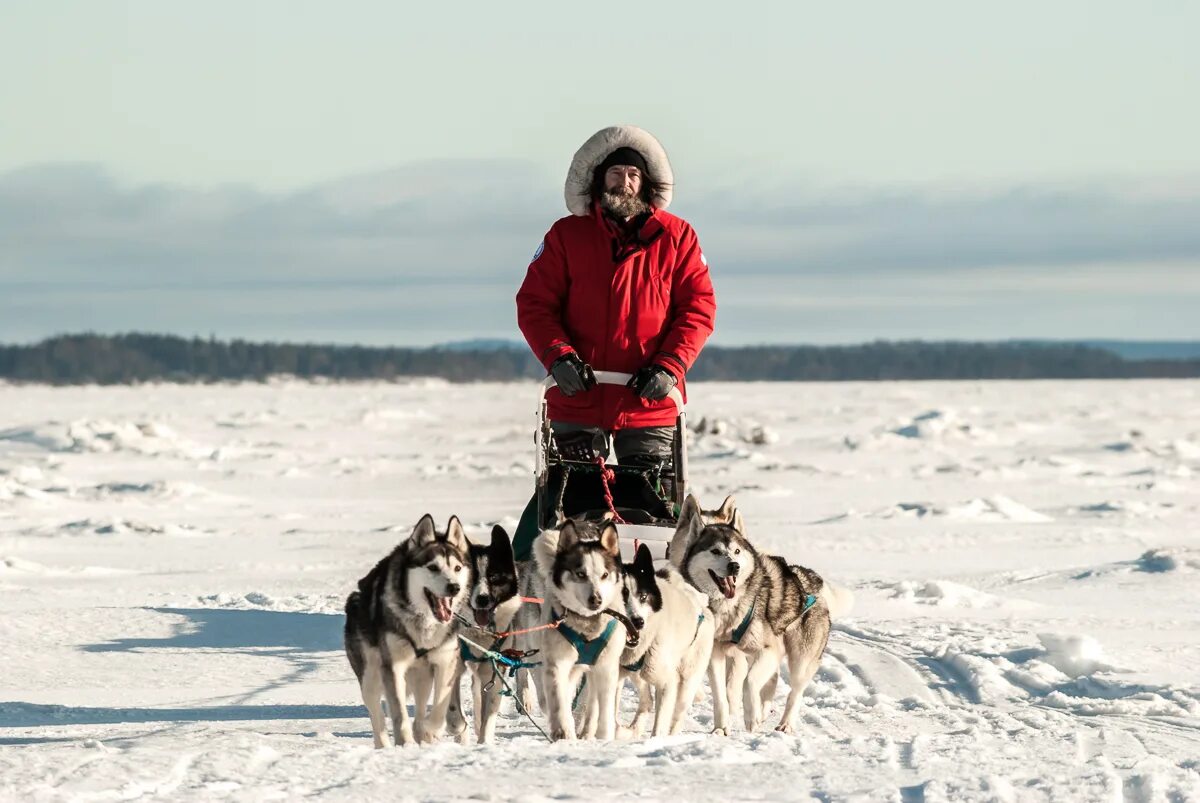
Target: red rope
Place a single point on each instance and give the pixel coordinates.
(606, 476)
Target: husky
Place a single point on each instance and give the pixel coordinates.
(675, 642)
(579, 568)
(400, 631)
(494, 602)
(762, 608)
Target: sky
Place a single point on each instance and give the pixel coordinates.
(379, 172)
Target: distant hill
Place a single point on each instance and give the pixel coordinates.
(1150, 349)
(483, 344)
(116, 359)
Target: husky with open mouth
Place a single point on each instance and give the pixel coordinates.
(493, 604)
(762, 608)
(675, 641)
(579, 568)
(400, 631)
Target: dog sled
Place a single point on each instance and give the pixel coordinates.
(572, 481)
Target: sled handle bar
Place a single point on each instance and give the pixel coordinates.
(617, 378)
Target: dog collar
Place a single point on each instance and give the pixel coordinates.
(637, 665)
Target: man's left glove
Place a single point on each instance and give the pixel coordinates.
(652, 382)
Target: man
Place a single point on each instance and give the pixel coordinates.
(618, 285)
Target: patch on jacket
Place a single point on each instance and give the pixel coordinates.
(541, 247)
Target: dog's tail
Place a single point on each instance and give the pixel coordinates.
(838, 599)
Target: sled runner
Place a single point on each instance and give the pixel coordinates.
(574, 482)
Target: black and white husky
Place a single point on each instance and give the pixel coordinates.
(762, 608)
(400, 631)
(579, 568)
(675, 641)
(494, 601)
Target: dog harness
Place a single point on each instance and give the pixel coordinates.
(740, 631)
(589, 649)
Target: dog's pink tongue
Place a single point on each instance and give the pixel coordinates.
(441, 609)
(729, 586)
(481, 618)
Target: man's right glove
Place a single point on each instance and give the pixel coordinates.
(572, 374)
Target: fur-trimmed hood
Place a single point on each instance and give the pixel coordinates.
(599, 145)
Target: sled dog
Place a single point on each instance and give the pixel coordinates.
(762, 608)
(400, 631)
(579, 569)
(493, 601)
(675, 641)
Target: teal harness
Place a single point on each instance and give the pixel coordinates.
(589, 649)
(740, 631)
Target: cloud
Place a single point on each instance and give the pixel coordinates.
(435, 250)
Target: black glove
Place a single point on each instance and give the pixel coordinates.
(572, 374)
(652, 382)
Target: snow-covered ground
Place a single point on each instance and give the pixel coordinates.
(1026, 558)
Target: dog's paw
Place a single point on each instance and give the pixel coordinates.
(428, 735)
(784, 727)
(404, 735)
(720, 731)
(562, 735)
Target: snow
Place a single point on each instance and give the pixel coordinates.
(1024, 557)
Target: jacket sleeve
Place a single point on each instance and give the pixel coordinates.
(541, 300)
(693, 309)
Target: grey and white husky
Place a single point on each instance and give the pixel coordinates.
(579, 568)
(400, 631)
(675, 642)
(762, 608)
(494, 602)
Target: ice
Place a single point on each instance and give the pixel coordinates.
(174, 561)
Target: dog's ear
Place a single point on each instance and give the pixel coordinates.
(424, 533)
(677, 550)
(738, 522)
(501, 544)
(727, 511)
(455, 536)
(610, 540)
(568, 536)
(643, 563)
(560, 518)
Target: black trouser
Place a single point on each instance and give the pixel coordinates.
(640, 447)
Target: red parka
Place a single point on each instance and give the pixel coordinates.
(620, 300)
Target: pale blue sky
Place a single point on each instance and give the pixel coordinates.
(379, 171)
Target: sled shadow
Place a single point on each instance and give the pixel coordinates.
(249, 630)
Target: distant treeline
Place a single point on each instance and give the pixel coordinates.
(120, 359)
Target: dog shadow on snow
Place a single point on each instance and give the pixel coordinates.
(306, 641)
